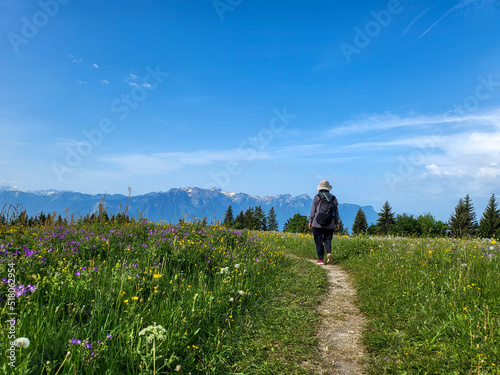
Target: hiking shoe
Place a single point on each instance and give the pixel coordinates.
(329, 258)
(320, 262)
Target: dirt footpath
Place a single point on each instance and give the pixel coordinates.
(341, 327)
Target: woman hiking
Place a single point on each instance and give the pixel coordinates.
(324, 220)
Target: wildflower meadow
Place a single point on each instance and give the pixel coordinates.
(139, 298)
(191, 298)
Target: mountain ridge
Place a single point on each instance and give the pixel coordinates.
(172, 205)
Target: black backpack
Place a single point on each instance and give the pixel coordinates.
(326, 211)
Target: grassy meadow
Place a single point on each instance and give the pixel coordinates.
(144, 298)
(433, 303)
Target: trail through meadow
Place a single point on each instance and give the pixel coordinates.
(341, 327)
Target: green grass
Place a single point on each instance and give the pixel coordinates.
(433, 304)
(153, 299)
(156, 299)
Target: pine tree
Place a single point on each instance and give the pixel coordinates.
(285, 226)
(472, 216)
(342, 230)
(386, 219)
(360, 225)
(259, 218)
(489, 225)
(463, 222)
(249, 219)
(228, 220)
(272, 222)
(239, 222)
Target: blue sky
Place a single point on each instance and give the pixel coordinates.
(388, 100)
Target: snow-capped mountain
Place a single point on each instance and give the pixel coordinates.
(187, 203)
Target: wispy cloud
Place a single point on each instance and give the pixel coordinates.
(161, 163)
(390, 121)
(133, 80)
(105, 82)
(75, 60)
(95, 66)
(410, 25)
(461, 4)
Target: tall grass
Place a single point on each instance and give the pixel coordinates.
(434, 304)
(144, 298)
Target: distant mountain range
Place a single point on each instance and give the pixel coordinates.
(170, 206)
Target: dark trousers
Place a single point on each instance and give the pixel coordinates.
(323, 239)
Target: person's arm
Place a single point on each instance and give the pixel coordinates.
(314, 207)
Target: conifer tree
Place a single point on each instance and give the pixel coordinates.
(285, 226)
(463, 221)
(239, 222)
(489, 225)
(272, 222)
(386, 219)
(360, 223)
(342, 230)
(228, 220)
(259, 218)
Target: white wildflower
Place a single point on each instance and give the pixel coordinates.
(464, 265)
(241, 292)
(22, 342)
(231, 299)
(237, 265)
(224, 270)
(178, 368)
(155, 332)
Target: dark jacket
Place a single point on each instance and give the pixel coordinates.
(315, 207)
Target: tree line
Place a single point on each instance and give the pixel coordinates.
(462, 222)
(16, 215)
(253, 218)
